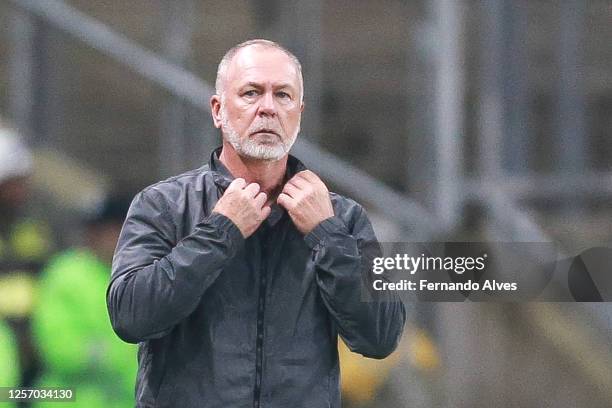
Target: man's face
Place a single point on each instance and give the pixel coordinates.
(260, 109)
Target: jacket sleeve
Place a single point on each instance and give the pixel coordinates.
(155, 282)
(371, 327)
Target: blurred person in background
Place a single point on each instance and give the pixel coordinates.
(9, 369)
(26, 242)
(78, 347)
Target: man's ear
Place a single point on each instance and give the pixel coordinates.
(215, 110)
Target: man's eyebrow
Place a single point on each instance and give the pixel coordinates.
(282, 85)
(251, 84)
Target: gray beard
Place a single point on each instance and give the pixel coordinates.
(251, 148)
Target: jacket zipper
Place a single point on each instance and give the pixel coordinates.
(260, 320)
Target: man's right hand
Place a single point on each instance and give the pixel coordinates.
(244, 205)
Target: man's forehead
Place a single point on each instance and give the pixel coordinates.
(268, 62)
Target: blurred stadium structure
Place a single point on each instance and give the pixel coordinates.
(450, 119)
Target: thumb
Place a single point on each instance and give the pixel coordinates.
(283, 200)
(265, 211)
(236, 184)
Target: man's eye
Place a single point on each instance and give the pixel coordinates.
(250, 93)
(283, 95)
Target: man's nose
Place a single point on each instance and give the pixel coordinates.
(267, 106)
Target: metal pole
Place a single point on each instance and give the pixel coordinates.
(47, 101)
(307, 33)
(491, 107)
(21, 89)
(179, 20)
(571, 148)
(448, 103)
(517, 137)
(297, 25)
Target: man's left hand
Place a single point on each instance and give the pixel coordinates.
(306, 199)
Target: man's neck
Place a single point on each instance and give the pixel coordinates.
(267, 173)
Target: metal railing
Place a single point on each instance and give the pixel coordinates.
(404, 210)
(192, 89)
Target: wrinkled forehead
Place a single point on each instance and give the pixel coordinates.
(260, 64)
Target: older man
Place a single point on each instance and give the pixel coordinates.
(236, 278)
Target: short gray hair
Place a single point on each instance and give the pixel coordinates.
(227, 58)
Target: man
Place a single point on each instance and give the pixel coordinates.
(237, 278)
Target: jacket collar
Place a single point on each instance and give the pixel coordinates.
(222, 177)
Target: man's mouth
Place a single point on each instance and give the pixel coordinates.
(266, 131)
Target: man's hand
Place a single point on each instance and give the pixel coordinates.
(306, 199)
(244, 205)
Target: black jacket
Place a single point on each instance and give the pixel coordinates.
(227, 322)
